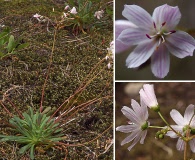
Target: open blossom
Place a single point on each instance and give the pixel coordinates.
(73, 10)
(188, 121)
(155, 36)
(99, 14)
(138, 124)
(148, 96)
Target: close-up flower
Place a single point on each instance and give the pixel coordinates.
(137, 125)
(183, 125)
(147, 94)
(155, 37)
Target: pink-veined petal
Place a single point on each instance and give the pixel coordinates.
(180, 44)
(171, 134)
(145, 109)
(143, 136)
(138, 16)
(177, 117)
(137, 138)
(180, 144)
(192, 145)
(141, 54)
(136, 107)
(165, 13)
(120, 47)
(189, 112)
(121, 25)
(126, 128)
(148, 96)
(133, 36)
(160, 62)
(130, 137)
(130, 114)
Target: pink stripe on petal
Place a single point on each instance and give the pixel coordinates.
(141, 54)
(180, 44)
(133, 36)
(189, 112)
(160, 62)
(177, 117)
(138, 16)
(166, 14)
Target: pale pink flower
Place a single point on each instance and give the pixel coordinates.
(147, 94)
(155, 36)
(138, 124)
(99, 14)
(67, 7)
(182, 124)
(73, 10)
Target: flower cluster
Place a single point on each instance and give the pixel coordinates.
(138, 124)
(155, 36)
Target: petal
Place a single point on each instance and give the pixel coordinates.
(130, 137)
(140, 54)
(192, 145)
(165, 13)
(126, 128)
(160, 62)
(148, 95)
(121, 25)
(143, 136)
(138, 16)
(144, 109)
(180, 144)
(135, 140)
(177, 117)
(180, 44)
(121, 47)
(133, 36)
(130, 114)
(171, 134)
(136, 107)
(189, 112)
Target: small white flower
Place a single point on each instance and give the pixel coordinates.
(37, 15)
(148, 96)
(110, 51)
(182, 125)
(73, 10)
(67, 7)
(99, 14)
(138, 124)
(109, 65)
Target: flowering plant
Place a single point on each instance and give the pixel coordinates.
(139, 123)
(155, 36)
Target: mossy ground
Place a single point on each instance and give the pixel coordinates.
(73, 59)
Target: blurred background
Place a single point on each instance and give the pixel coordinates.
(180, 69)
(170, 96)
